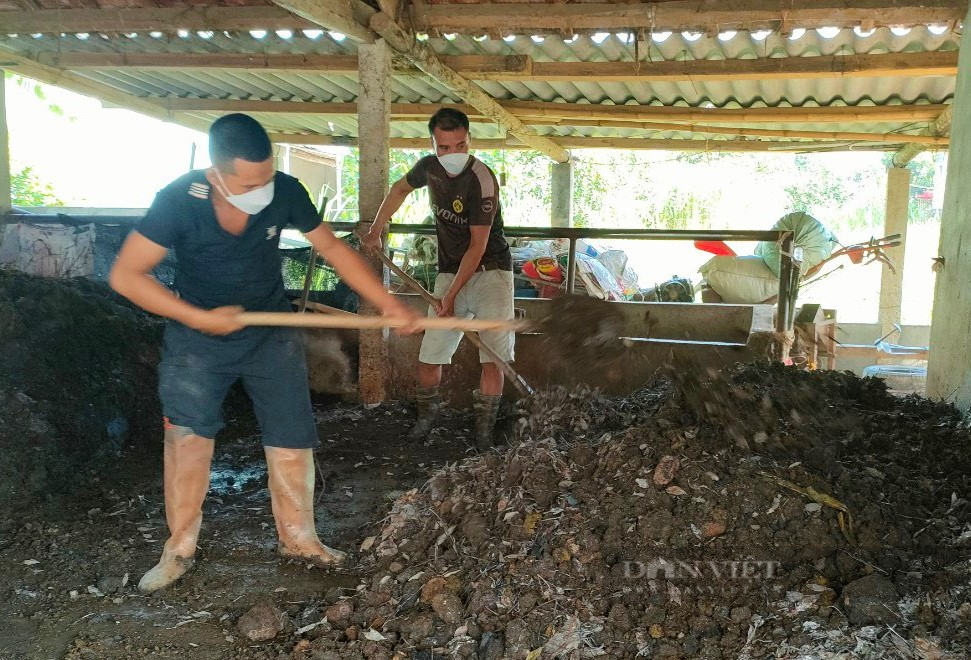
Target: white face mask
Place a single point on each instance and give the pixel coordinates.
(454, 163)
(252, 201)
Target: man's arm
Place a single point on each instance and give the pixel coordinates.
(131, 277)
(356, 272)
(470, 261)
(392, 202)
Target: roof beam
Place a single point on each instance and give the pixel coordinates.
(230, 18)
(347, 16)
(479, 66)
(770, 68)
(678, 15)
(573, 114)
(601, 143)
(413, 112)
(421, 56)
(105, 93)
(825, 114)
(522, 68)
(940, 126)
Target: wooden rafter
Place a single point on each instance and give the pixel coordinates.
(553, 114)
(170, 19)
(425, 59)
(678, 15)
(827, 114)
(347, 16)
(422, 57)
(405, 112)
(478, 66)
(502, 18)
(523, 68)
(601, 143)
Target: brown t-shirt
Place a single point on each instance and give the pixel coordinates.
(471, 198)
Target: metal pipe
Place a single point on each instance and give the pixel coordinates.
(571, 267)
(308, 280)
(574, 233)
(783, 320)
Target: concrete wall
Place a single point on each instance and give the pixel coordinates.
(867, 333)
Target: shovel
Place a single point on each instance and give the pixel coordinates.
(574, 326)
(517, 380)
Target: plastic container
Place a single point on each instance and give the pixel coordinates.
(901, 380)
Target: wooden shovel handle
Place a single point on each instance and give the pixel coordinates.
(356, 322)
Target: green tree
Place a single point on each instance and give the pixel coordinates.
(815, 187)
(27, 190)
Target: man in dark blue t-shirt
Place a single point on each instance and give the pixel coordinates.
(224, 225)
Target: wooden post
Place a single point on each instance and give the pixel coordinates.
(374, 126)
(6, 178)
(949, 362)
(561, 192)
(895, 222)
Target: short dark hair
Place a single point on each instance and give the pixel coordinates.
(238, 136)
(448, 119)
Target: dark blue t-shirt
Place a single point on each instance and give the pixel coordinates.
(214, 268)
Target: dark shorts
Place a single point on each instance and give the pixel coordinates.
(196, 373)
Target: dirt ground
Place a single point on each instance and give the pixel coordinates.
(757, 512)
(78, 600)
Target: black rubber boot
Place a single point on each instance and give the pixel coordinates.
(428, 402)
(486, 408)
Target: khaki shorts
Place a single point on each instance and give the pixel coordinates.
(489, 296)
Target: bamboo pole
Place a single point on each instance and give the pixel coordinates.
(843, 136)
(940, 126)
(634, 143)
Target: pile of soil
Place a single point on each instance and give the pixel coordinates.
(757, 509)
(760, 511)
(77, 385)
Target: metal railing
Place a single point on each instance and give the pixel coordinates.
(786, 301)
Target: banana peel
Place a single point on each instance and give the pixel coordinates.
(843, 515)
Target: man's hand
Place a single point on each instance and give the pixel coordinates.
(446, 306)
(404, 313)
(219, 321)
(371, 242)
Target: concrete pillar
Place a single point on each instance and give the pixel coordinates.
(5, 174)
(374, 128)
(949, 363)
(895, 222)
(561, 179)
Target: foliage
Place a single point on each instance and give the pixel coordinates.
(664, 190)
(27, 190)
(40, 91)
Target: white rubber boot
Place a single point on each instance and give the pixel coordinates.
(291, 481)
(187, 460)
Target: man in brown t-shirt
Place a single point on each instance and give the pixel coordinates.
(474, 265)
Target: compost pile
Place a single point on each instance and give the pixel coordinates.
(77, 384)
(756, 511)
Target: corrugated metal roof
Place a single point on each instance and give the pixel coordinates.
(305, 85)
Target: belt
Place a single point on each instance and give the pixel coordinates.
(492, 266)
